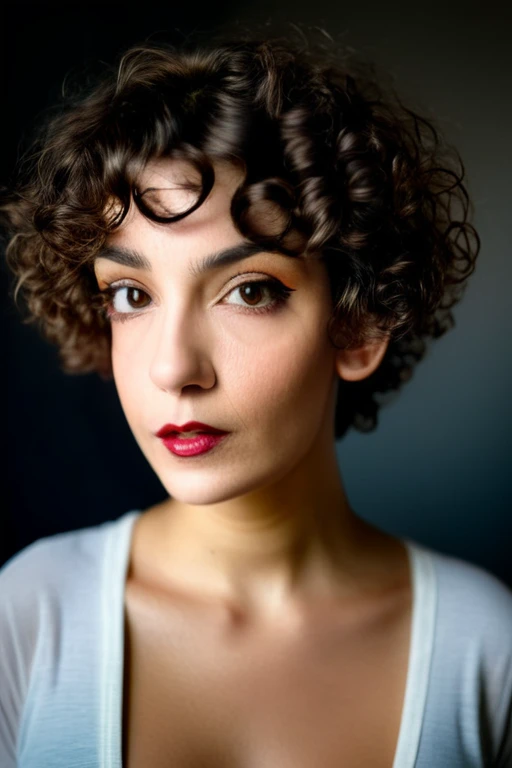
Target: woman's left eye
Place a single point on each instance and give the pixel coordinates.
(123, 301)
(251, 294)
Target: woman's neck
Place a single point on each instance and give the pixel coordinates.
(264, 552)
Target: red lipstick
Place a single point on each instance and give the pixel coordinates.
(206, 439)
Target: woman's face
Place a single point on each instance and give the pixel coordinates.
(197, 344)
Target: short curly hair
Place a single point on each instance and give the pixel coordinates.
(366, 181)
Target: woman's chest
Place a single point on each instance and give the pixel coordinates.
(197, 696)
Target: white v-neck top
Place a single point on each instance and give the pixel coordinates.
(62, 645)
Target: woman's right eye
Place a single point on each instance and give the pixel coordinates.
(125, 300)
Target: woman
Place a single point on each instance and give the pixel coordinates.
(254, 242)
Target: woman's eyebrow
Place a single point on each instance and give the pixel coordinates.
(129, 257)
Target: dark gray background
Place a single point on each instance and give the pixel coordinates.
(436, 469)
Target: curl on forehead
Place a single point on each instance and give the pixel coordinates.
(170, 187)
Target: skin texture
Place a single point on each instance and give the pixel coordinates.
(257, 552)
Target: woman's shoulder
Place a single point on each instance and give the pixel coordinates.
(465, 617)
(52, 564)
(56, 584)
(46, 557)
(51, 595)
(471, 593)
(473, 605)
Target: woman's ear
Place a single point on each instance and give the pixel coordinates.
(357, 364)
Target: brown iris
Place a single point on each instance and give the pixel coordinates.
(248, 292)
(136, 298)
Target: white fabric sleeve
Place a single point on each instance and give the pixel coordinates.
(19, 619)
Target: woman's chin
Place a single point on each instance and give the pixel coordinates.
(206, 490)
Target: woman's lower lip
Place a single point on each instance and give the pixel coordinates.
(192, 446)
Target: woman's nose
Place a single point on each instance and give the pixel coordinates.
(182, 353)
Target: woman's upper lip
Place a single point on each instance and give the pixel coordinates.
(190, 426)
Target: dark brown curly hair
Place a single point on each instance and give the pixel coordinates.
(365, 182)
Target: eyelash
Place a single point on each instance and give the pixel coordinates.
(280, 293)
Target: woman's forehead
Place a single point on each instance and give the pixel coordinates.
(175, 184)
(206, 232)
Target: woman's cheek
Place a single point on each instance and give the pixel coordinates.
(278, 376)
(250, 329)
(128, 366)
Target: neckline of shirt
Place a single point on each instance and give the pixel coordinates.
(424, 604)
